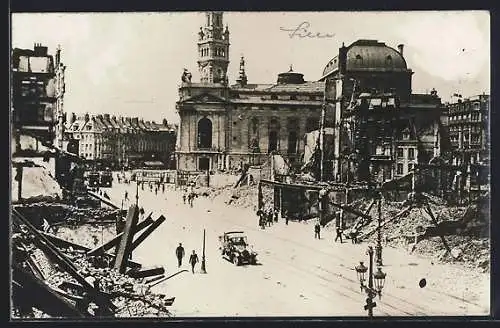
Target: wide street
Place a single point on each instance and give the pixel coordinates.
(297, 275)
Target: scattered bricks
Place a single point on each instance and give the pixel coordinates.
(146, 272)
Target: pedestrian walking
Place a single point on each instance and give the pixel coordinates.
(193, 259)
(276, 215)
(126, 195)
(163, 188)
(179, 252)
(156, 190)
(317, 230)
(269, 217)
(339, 234)
(285, 214)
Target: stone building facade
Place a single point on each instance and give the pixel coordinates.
(122, 141)
(469, 130)
(223, 126)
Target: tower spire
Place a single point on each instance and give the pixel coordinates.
(213, 49)
(242, 77)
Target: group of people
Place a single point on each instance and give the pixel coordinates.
(189, 196)
(338, 232)
(267, 216)
(193, 258)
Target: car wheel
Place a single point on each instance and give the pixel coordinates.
(236, 261)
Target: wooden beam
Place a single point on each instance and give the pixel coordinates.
(146, 272)
(64, 243)
(104, 200)
(113, 242)
(434, 220)
(53, 252)
(149, 230)
(46, 299)
(399, 214)
(124, 247)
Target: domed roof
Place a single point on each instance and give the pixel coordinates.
(290, 77)
(369, 55)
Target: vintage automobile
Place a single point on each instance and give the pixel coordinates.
(235, 247)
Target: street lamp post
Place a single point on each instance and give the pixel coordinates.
(378, 247)
(375, 282)
(203, 268)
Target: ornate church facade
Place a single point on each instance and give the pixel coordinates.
(378, 126)
(223, 126)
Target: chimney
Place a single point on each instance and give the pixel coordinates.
(106, 117)
(72, 118)
(401, 48)
(87, 117)
(342, 59)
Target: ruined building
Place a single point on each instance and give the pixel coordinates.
(381, 129)
(223, 126)
(37, 95)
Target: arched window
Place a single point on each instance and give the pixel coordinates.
(273, 135)
(255, 125)
(273, 141)
(312, 124)
(388, 60)
(204, 133)
(359, 60)
(292, 142)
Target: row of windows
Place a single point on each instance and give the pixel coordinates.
(218, 51)
(472, 129)
(293, 97)
(464, 106)
(475, 117)
(410, 152)
(400, 168)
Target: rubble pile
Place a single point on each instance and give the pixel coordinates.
(37, 182)
(88, 235)
(72, 277)
(465, 230)
(55, 212)
(131, 296)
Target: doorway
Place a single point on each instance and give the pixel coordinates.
(204, 164)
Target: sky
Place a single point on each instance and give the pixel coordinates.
(130, 64)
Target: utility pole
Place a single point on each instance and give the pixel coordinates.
(19, 178)
(136, 192)
(322, 134)
(378, 248)
(203, 267)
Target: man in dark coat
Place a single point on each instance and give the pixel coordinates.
(339, 234)
(179, 252)
(317, 229)
(193, 259)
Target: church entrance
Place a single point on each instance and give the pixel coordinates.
(204, 164)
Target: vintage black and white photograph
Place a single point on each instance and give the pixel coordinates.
(250, 164)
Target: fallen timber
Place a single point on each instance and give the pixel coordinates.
(102, 199)
(104, 303)
(64, 243)
(148, 231)
(26, 285)
(113, 242)
(125, 246)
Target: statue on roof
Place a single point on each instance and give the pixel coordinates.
(186, 76)
(291, 68)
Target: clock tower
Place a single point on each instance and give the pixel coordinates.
(213, 49)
